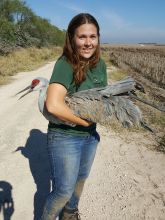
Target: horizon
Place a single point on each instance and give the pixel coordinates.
(121, 22)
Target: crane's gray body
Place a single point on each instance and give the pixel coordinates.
(98, 105)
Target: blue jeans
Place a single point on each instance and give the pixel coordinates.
(71, 158)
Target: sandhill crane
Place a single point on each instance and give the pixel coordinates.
(98, 104)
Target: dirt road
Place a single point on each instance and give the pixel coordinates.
(127, 181)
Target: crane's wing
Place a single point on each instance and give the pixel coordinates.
(119, 87)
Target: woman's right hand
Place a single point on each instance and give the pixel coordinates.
(88, 123)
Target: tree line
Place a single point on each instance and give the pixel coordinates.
(21, 27)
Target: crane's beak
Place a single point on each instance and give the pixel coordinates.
(29, 88)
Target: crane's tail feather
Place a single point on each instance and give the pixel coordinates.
(144, 125)
(139, 87)
(127, 113)
(102, 111)
(160, 108)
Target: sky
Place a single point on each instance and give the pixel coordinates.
(120, 21)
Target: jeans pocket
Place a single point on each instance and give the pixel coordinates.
(51, 136)
(54, 137)
(96, 136)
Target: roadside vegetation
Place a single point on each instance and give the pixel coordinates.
(27, 41)
(20, 27)
(26, 60)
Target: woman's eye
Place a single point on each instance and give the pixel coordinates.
(81, 37)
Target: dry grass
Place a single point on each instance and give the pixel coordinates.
(25, 60)
(147, 61)
(154, 118)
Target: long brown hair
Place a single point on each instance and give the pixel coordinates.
(69, 51)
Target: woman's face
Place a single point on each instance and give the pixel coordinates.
(86, 40)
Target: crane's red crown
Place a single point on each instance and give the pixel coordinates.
(35, 83)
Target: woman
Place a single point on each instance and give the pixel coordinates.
(72, 149)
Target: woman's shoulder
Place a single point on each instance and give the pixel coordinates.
(62, 72)
(101, 61)
(62, 60)
(101, 64)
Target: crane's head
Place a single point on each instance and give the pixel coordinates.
(36, 84)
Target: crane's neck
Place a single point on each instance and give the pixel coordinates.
(42, 97)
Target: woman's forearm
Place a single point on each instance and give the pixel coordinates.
(55, 104)
(64, 113)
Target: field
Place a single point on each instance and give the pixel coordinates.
(146, 64)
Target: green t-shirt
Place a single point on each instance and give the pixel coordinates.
(63, 74)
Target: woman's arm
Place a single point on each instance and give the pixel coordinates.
(55, 103)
